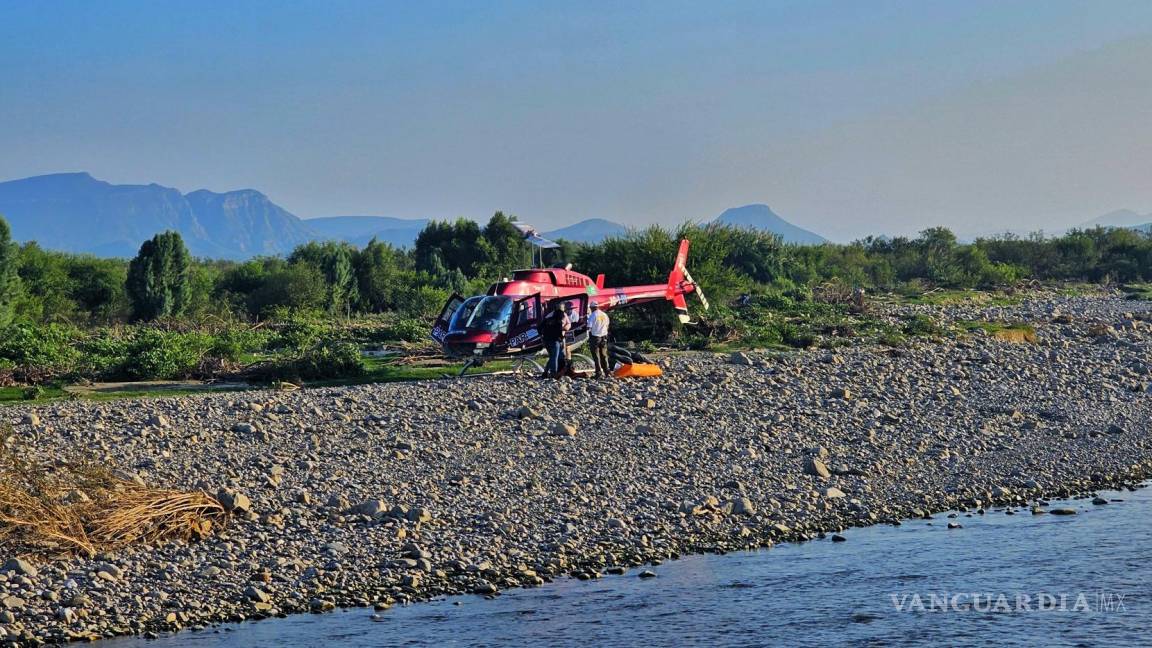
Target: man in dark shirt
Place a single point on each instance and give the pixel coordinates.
(553, 329)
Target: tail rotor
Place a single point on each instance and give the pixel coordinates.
(696, 289)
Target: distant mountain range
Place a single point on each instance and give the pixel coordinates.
(1123, 218)
(75, 212)
(359, 230)
(592, 230)
(762, 218)
(758, 217)
(1120, 218)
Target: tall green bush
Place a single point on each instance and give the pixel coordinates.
(8, 277)
(158, 278)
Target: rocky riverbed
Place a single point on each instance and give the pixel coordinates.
(372, 495)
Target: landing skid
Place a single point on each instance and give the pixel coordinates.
(529, 366)
(472, 362)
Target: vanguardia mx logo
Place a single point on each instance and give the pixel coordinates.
(1101, 602)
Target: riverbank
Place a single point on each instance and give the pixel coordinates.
(370, 495)
(1006, 578)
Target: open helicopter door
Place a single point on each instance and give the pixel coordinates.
(524, 329)
(579, 314)
(440, 328)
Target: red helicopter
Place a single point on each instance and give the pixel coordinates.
(504, 322)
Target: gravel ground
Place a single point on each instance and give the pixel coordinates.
(373, 495)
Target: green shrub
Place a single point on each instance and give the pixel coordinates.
(695, 342)
(160, 355)
(921, 325)
(408, 330)
(297, 334)
(49, 346)
(327, 360)
(234, 343)
(795, 336)
(892, 339)
(103, 355)
(330, 360)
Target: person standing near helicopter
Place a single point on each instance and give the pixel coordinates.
(598, 322)
(554, 329)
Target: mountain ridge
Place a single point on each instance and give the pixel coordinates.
(1118, 218)
(76, 212)
(760, 217)
(359, 230)
(589, 230)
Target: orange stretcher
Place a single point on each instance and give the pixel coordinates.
(637, 370)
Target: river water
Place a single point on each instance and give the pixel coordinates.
(1008, 580)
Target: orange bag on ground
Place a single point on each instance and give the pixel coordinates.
(638, 370)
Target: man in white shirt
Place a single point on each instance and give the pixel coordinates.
(598, 340)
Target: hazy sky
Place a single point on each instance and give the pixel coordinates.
(847, 117)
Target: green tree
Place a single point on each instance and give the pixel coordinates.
(504, 246)
(158, 278)
(938, 247)
(460, 245)
(334, 262)
(298, 288)
(378, 268)
(265, 285)
(9, 281)
(97, 287)
(44, 285)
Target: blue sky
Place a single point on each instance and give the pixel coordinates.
(846, 117)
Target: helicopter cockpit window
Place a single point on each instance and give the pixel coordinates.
(464, 313)
(527, 312)
(491, 314)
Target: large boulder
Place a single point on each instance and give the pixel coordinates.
(20, 566)
(816, 468)
(371, 508)
(740, 358)
(563, 429)
(234, 501)
(743, 506)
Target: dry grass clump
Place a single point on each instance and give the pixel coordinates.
(76, 507)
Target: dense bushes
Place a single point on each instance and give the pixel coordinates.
(328, 359)
(301, 348)
(153, 354)
(338, 280)
(66, 315)
(29, 346)
(53, 352)
(323, 361)
(728, 261)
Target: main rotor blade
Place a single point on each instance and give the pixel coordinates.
(541, 242)
(532, 235)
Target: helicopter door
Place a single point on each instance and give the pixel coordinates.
(578, 318)
(440, 327)
(524, 329)
(580, 313)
